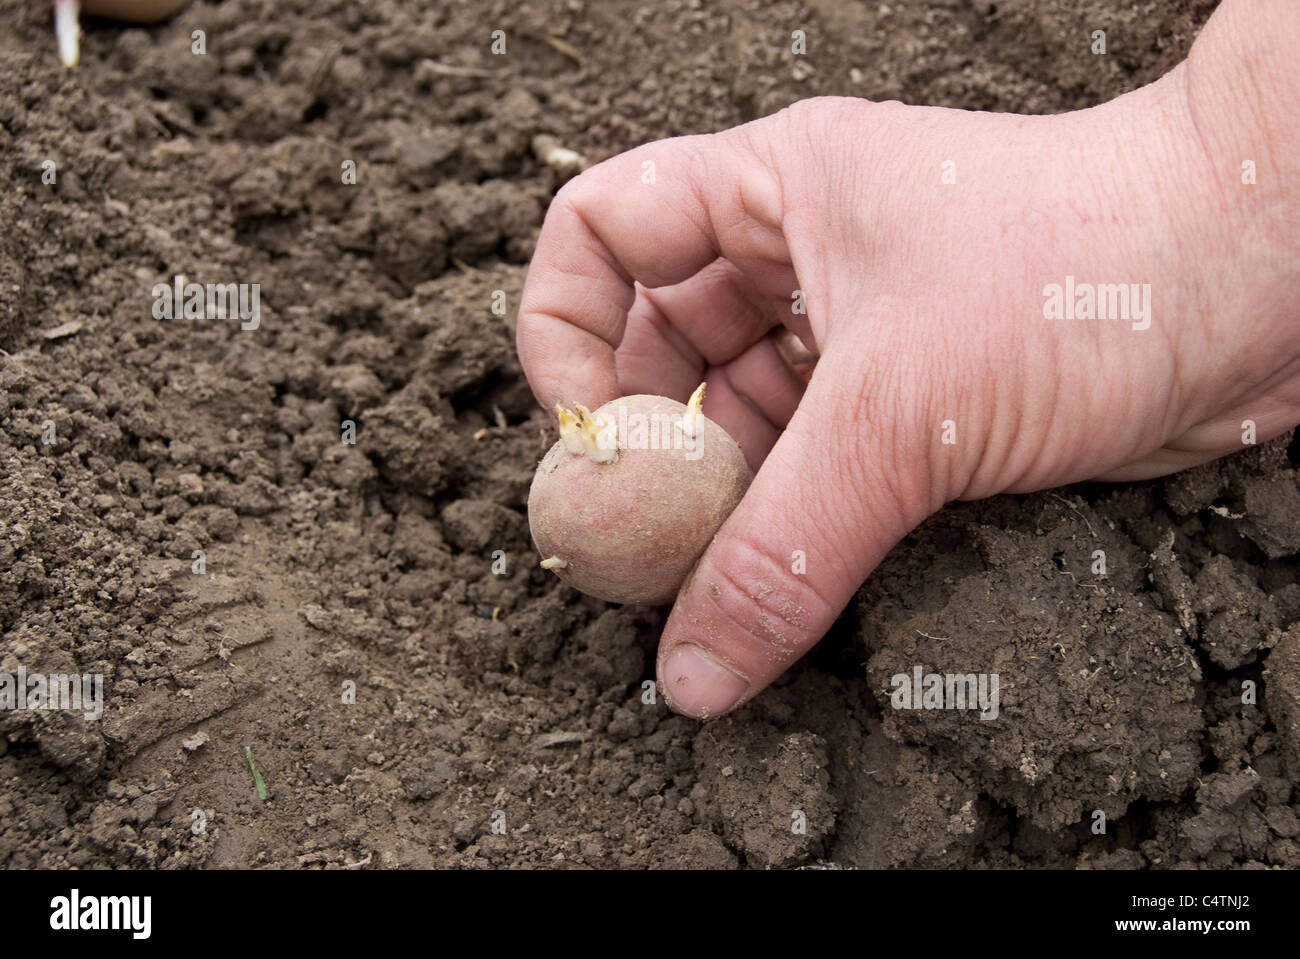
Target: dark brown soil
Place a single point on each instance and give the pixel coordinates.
(487, 699)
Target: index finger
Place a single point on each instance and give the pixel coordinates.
(646, 215)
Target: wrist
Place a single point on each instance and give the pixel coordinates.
(1240, 85)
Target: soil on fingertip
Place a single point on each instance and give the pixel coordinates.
(181, 512)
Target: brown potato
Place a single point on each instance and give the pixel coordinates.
(136, 11)
(628, 499)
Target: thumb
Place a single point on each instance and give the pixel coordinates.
(844, 483)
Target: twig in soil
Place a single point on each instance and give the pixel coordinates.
(262, 793)
(461, 265)
(322, 71)
(62, 330)
(451, 70)
(1076, 510)
(1076, 580)
(946, 639)
(548, 740)
(224, 651)
(171, 125)
(558, 45)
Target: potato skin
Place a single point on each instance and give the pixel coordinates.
(135, 11)
(631, 530)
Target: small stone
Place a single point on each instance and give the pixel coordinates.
(189, 484)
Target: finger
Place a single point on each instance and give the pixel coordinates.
(752, 391)
(1258, 421)
(654, 357)
(658, 215)
(716, 316)
(565, 363)
(744, 423)
(764, 382)
(743, 395)
(753, 398)
(717, 311)
(838, 490)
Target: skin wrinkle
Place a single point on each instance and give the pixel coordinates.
(1023, 460)
(746, 399)
(669, 332)
(1179, 415)
(1281, 377)
(744, 539)
(1190, 111)
(614, 314)
(1253, 89)
(765, 633)
(653, 317)
(804, 116)
(931, 475)
(748, 331)
(707, 229)
(956, 399)
(995, 457)
(757, 214)
(855, 460)
(761, 150)
(1022, 480)
(1218, 174)
(784, 226)
(746, 249)
(601, 249)
(816, 512)
(657, 318)
(1175, 387)
(751, 240)
(831, 179)
(588, 359)
(784, 396)
(590, 284)
(829, 552)
(899, 425)
(758, 317)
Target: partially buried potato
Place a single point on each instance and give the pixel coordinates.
(629, 498)
(138, 11)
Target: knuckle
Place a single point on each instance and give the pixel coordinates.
(573, 196)
(805, 143)
(752, 596)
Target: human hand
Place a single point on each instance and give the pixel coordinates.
(940, 377)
